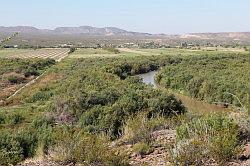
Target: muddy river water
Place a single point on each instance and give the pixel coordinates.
(190, 103)
(148, 78)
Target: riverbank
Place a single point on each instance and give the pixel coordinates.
(193, 105)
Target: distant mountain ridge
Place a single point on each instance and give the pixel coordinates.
(87, 30)
(113, 31)
(227, 35)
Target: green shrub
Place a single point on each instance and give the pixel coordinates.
(159, 122)
(16, 79)
(112, 49)
(14, 119)
(16, 146)
(166, 105)
(43, 129)
(28, 142)
(72, 49)
(2, 118)
(11, 151)
(213, 78)
(31, 72)
(137, 129)
(76, 146)
(12, 80)
(40, 96)
(189, 152)
(212, 137)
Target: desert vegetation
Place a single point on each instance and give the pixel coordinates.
(216, 79)
(96, 97)
(95, 110)
(16, 72)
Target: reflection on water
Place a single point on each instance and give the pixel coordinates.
(148, 78)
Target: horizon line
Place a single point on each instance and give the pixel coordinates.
(40, 28)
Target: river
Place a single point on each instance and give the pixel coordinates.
(148, 78)
(191, 103)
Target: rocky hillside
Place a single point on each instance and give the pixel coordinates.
(85, 35)
(84, 30)
(216, 36)
(112, 31)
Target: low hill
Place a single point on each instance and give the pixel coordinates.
(111, 35)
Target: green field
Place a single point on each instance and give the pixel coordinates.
(95, 53)
(94, 101)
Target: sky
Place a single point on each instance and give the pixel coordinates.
(152, 16)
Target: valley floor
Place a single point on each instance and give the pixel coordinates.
(91, 108)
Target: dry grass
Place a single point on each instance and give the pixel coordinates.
(209, 138)
(197, 106)
(57, 54)
(133, 51)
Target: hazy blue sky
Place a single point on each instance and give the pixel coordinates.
(154, 16)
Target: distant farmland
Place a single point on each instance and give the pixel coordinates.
(57, 54)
